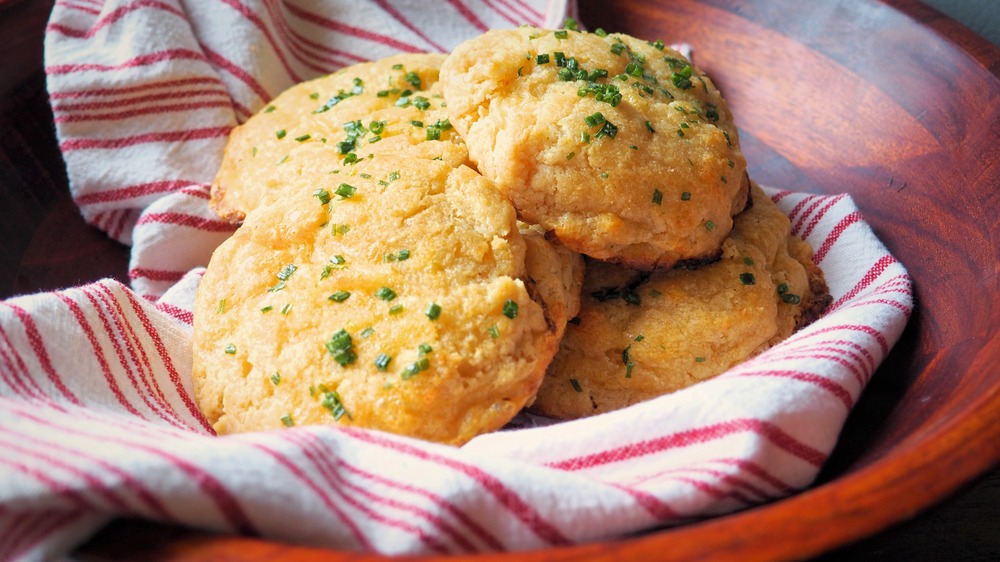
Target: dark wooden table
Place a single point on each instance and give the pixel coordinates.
(46, 244)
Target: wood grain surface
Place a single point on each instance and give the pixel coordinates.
(889, 101)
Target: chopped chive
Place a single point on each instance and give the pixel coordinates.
(385, 293)
(376, 127)
(571, 24)
(303, 138)
(542, 59)
(382, 362)
(412, 369)
(607, 130)
(283, 159)
(276, 378)
(433, 310)
(340, 346)
(286, 272)
(649, 127)
(230, 349)
(617, 48)
(600, 32)
(340, 296)
(594, 119)
(396, 309)
(570, 155)
(699, 359)
(657, 197)
(413, 78)
(267, 308)
(640, 337)
(510, 309)
(585, 137)
(416, 123)
(269, 109)
(686, 196)
(222, 307)
(749, 261)
(494, 332)
(747, 279)
(561, 34)
(710, 225)
(331, 401)
(782, 288)
(791, 298)
(627, 361)
(576, 385)
(346, 191)
(280, 133)
(323, 196)
(424, 349)
(404, 255)
(366, 332)
(286, 309)
(287, 420)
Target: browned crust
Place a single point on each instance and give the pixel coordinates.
(232, 216)
(819, 297)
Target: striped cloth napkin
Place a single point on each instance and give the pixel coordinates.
(97, 418)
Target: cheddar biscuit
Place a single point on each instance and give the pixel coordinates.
(640, 335)
(389, 294)
(619, 147)
(391, 106)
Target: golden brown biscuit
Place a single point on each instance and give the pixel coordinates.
(618, 146)
(391, 106)
(641, 335)
(391, 299)
(553, 276)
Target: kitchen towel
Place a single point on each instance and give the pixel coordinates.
(97, 417)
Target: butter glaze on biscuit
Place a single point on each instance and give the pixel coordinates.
(641, 335)
(618, 146)
(395, 303)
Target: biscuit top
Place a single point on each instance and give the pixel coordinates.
(618, 146)
(391, 106)
(385, 294)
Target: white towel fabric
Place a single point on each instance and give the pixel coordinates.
(97, 418)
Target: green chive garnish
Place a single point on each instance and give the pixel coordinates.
(433, 311)
(346, 191)
(510, 309)
(230, 349)
(340, 346)
(385, 293)
(323, 196)
(382, 362)
(339, 296)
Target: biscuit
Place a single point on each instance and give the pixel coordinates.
(391, 106)
(618, 146)
(640, 335)
(393, 298)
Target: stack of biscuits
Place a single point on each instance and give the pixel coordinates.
(546, 219)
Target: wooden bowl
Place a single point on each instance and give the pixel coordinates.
(886, 100)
